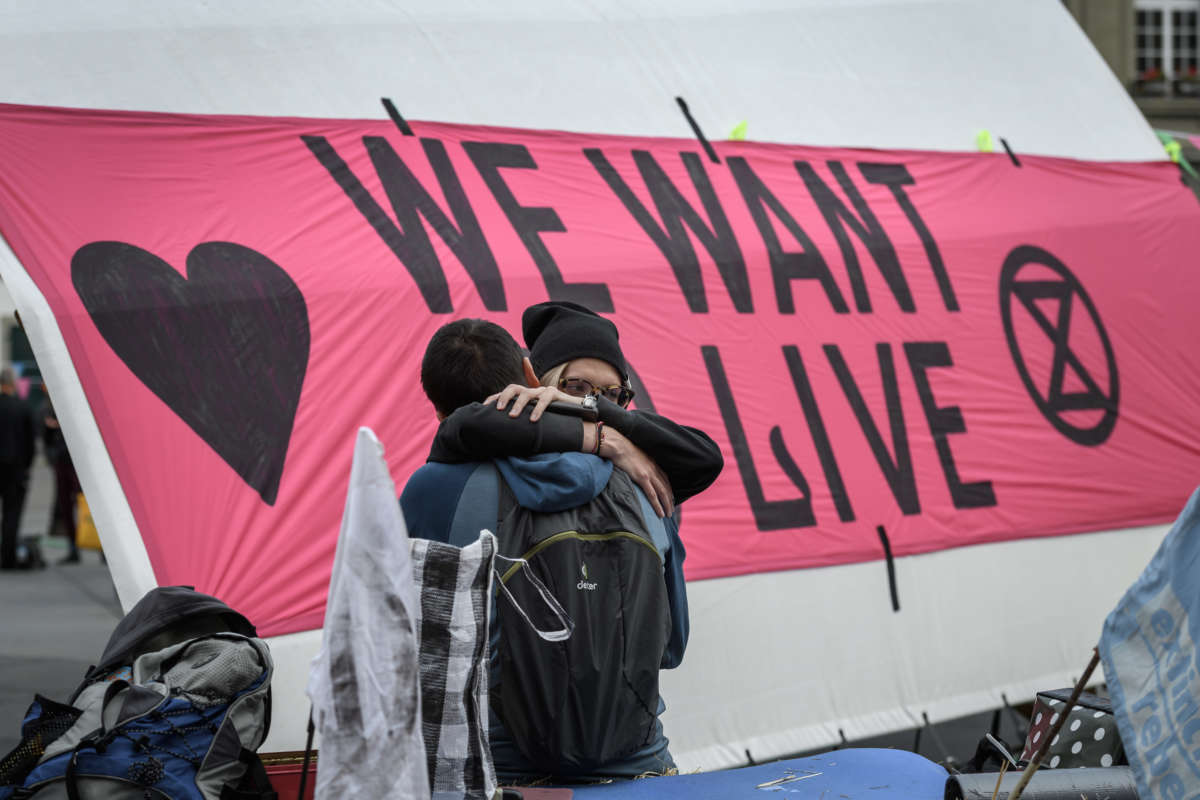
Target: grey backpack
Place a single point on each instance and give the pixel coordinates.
(180, 721)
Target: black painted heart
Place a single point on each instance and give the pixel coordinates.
(226, 348)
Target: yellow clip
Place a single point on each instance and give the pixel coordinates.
(983, 141)
(738, 134)
(1175, 153)
(1174, 150)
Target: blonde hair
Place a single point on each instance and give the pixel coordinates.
(553, 375)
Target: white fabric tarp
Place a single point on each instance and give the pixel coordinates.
(858, 73)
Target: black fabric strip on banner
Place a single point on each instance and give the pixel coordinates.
(891, 566)
(708, 148)
(395, 115)
(1011, 154)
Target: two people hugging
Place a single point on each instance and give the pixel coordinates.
(546, 451)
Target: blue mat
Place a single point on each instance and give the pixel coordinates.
(839, 775)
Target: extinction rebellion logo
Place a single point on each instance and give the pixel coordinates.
(1079, 393)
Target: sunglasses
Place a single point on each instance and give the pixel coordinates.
(579, 387)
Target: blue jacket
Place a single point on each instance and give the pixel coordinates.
(452, 502)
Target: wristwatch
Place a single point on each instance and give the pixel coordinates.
(585, 410)
(590, 403)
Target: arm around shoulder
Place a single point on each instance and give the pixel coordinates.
(480, 432)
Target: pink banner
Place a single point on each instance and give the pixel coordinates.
(954, 347)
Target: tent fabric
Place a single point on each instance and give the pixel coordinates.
(860, 73)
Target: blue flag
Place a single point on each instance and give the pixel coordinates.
(1150, 661)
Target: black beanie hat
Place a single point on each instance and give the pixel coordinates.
(557, 331)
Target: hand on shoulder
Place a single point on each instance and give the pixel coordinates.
(521, 396)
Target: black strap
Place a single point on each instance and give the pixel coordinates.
(71, 779)
(708, 148)
(1011, 154)
(114, 689)
(891, 566)
(507, 502)
(308, 749)
(395, 115)
(255, 783)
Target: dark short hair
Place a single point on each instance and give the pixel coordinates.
(466, 361)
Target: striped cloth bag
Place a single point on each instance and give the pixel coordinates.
(455, 585)
(452, 627)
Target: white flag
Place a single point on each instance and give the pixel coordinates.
(1152, 665)
(364, 682)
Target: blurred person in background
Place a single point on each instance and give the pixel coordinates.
(16, 455)
(66, 482)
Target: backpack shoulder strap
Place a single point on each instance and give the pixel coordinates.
(508, 500)
(255, 783)
(475, 506)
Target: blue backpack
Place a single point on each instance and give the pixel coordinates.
(181, 722)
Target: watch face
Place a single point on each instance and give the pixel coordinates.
(589, 401)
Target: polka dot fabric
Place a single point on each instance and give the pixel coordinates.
(1088, 738)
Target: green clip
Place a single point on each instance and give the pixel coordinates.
(738, 134)
(1175, 153)
(1174, 150)
(983, 141)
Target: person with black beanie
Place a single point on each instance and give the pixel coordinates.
(561, 334)
(581, 380)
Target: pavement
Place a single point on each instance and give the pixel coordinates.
(54, 622)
